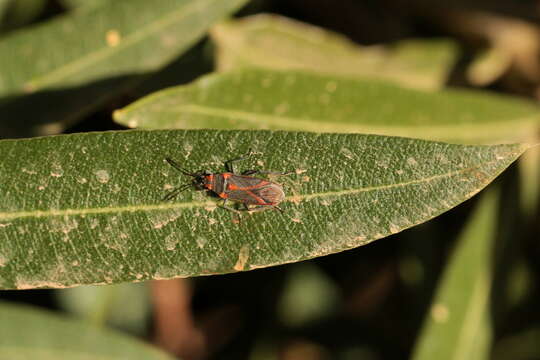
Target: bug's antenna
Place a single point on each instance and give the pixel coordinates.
(175, 192)
(175, 165)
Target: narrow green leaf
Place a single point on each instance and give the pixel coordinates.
(122, 37)
(529, 167)
(282, 43)
(293, 100)
(458, 326)
(102, 305)
(82, 4)
(308, 296)
(3, 6)
(66, 67)
(88, 209)
(21, 12)
(520, 344)
(29, 333)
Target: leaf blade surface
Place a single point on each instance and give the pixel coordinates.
(88, 208)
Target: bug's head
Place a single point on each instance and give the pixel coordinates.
(199, 179)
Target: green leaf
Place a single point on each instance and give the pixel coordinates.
(82, 4)
(293, 100)
(282, 43)
(308, 296)
(61, 70)
(88, 209)
(101, 305)
(3, 6)
(529, 167)
(21, 12)
(519, 344)
(29, 333)
(458, 326)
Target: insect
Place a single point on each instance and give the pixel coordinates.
(258, 193)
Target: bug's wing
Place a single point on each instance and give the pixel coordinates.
(255, 191)
(271, 193)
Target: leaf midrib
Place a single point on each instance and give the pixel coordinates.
(94, 57)
(6, 216)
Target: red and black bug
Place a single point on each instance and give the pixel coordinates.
(258, 193)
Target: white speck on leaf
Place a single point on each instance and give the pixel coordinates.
(331, 86)
(188, 147)
(266, 82)
(394, 229)
(324, 99)
(347, 153)
(31, 172)
(243, 257)
(103, 176)
(247, 98)
(360, 238)
(56, 170)
(290, 79)
(94, 223)
(201, 241)
(325, 202)
(65, 225)
(170, 241)
(162, 219)
(281, 108)
(3, 260)
(412, 161)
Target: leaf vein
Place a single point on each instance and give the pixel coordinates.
(185, 205)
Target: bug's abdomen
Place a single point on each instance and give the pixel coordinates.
(253, 191)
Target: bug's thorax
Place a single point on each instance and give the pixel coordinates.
(216, 182)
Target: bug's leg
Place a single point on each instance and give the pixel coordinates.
(174, 193)
(260, 208)
(229, 163)
(275, 173)
(224, 206)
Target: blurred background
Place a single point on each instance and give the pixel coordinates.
(368, 303)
